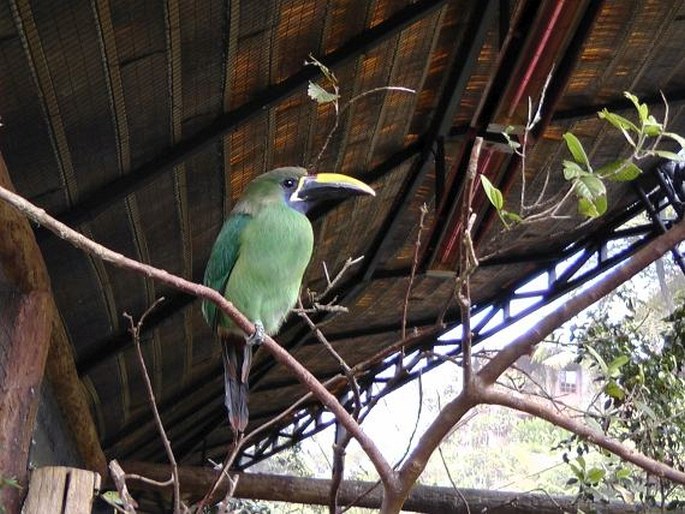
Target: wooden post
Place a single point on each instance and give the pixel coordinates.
(25, 327)
(22, 361)
(28, 324)
(61, 490)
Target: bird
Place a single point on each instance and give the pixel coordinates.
(258, 261)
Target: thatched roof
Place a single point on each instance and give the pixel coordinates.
(140, 123)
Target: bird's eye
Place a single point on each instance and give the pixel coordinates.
(289, 183)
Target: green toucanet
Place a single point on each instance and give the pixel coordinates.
(258, 261)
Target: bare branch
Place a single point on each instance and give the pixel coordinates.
(524, 344)
(39, 216)
(467, 261)
(354, 387)
(119, 478)
(315, 297)
(454, 485)
(134, 329)
(496, 396)
(414, 265)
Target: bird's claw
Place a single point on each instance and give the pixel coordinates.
(257, 337)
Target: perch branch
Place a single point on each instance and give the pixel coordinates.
(39, 216)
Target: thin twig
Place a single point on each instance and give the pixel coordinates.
(354, 387)
(315, 297)
(454, 485)
(135, 329)
(340, 110)
(224, 474)
(149, 481)
(414, 265)
(415, 429)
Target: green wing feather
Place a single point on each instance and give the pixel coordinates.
(221, 261)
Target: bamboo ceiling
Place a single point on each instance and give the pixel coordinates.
(140, 123)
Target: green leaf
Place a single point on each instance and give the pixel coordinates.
(616, 365)
(514, 145)
(598, 359)
(619, 171)
(614, 390)
(493, 194)
(621, 123)
(622, 473)
(320, 95)
(601, 204)
(595, 475)
(577, 471)
(112, 497)
(669, 155)
(617, 120)
(652, 127)
(680, 139)
(511, 216)
(642, 109)
(572, 170)
(577, 151)
(589, 186)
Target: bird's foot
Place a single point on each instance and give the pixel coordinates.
(258, 337)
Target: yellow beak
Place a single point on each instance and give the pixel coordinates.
(329, 185)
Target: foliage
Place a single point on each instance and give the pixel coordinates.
(7, 482)
(643, 403)
(319, 93)
(240, 506)
(585, 182)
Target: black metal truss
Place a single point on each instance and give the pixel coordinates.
(573, 267)
(670, 177)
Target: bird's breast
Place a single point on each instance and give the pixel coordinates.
(275, 249)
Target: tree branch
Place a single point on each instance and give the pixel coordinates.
(505, 358)
(495, 396)
(39, 216)
(414, 266)
(525, 343)
(467, 262)
(135, 329)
